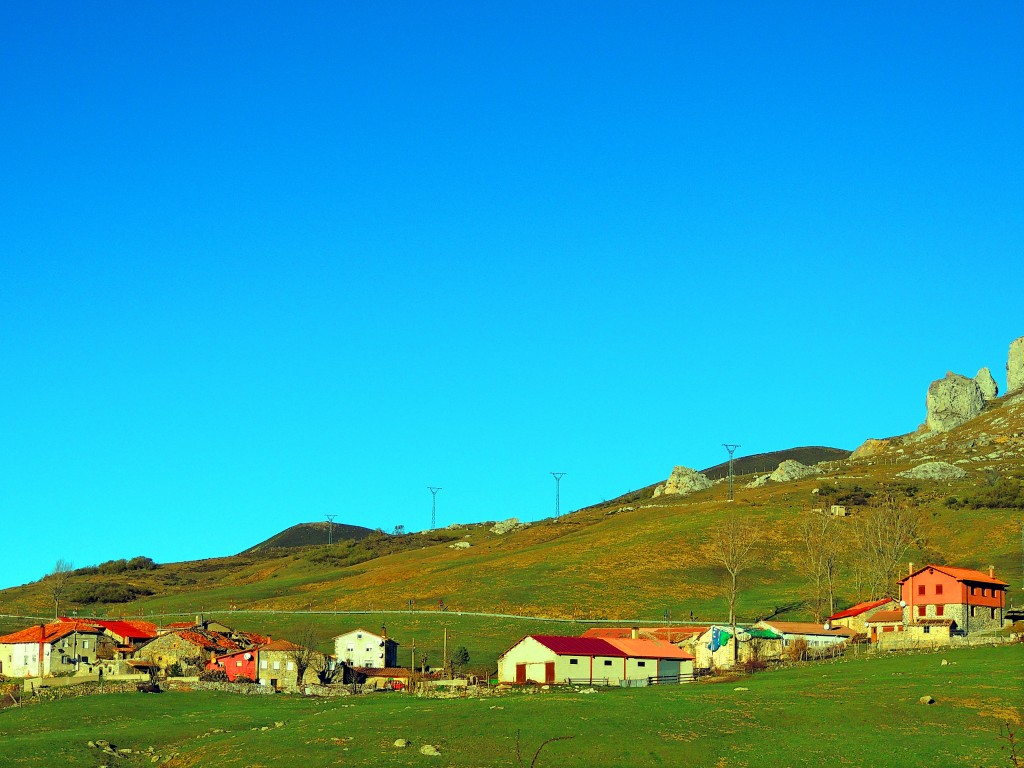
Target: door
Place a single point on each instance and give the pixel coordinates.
(549, 672)
(520, 673)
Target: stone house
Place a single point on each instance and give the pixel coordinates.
(276, 666)
(856, 616)
(972, 602)
(185, 646)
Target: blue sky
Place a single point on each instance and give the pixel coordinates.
(265, 263)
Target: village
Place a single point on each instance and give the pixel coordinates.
(939, 606)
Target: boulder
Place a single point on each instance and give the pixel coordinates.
(926, 700)
(951, 401)
(682, 481)
(460, 545)
(429, 749)
(401, 743)
(1015, 366)
(933, 470)
(505, 526)
(792, 470)
(757, 482)
(989, 388)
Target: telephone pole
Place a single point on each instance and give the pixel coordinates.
(558, 479)
(433, 506)
(731, 448)
(330, 529)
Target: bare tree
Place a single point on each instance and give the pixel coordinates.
(56, 582)
(822, 550)
(325, 668)
(883, 535)
(305, 655)
(734, 547)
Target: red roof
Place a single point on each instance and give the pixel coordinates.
(577, 646)
(960, 574)
(648, 649)
(671, 634)
(55, 630)
(859, 608)
(133, 630)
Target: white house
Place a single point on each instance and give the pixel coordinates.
(556, 659)
(42, 650)
(360, 648)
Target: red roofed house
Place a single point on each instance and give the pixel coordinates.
(556, 659)
(855, 616)
(941, 599)
(237, 664)
(194, 647)
(60, 646)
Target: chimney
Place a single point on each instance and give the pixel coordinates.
(384, 631)
(991, 571)
(634, 633)
(910, 569)
(199, 622)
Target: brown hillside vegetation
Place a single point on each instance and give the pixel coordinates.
(634, 557)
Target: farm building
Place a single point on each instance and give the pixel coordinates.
(58, 647)
(814, 635)
(716, 647)
(855, 616)
(556, 659)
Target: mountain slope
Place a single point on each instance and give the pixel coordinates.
(311, 534)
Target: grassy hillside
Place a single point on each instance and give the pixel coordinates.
(853, 712)
(633, 557)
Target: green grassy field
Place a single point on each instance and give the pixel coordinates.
(853, 712)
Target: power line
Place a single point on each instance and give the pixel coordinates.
(330, 529)
(731, 448)
(433, 506)
(558, 479)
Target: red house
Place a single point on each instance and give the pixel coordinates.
(968, 601)
(237, 664)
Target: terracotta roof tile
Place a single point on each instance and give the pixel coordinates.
(859, 608)
(886, 616)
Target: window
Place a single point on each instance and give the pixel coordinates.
(927, 630)
(238, 663)
(641, 663)
(277, 665)
(607, 662)
(574, 661)
(940, 610)
(938, 589)
(920, 610)
(263, 664)
(991, 613)
(85, 643)
(920, 589)
(974, 610)
(291, 666)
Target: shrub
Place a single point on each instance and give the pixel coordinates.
(213, 676)
(175, 670)
(243, 679)
(106, 593)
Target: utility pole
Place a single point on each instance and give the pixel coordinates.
(444, 654)
(731, 448)
(558, 479)
(433, 506)
(330, 529)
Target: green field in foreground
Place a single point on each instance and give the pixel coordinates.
(854, 712)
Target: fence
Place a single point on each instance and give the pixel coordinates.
(588, 681)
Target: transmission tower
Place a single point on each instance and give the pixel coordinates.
(731, 448)
(330, 529)
(433, 506)
(558, 479)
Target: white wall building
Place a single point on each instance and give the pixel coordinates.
(360, 648)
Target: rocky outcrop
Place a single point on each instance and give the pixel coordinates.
(506, 526)
(682, 481)
(792, 470)
(952, 401)
(757, 482)
(934, 470)
(870, 447)
(987, 384)
(1015, 366)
